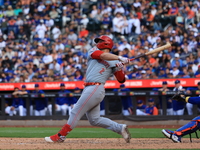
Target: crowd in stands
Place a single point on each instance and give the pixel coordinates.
(48, 40)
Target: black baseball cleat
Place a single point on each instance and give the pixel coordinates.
(179, 97)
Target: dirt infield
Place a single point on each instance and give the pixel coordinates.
(98, 143)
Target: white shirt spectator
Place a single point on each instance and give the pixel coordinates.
(124, 45)
(36, 61)
(137, 4)
(154, 11)
(72, 36)
(84, 20)
(94, 11)
(60, 46)
(117, 23)
(54, 66)
(2, 45)
(19, 22)
(49, 23)
(119, 9)
(125, 29)
(56, 32)
(41, 29)
(175, 72)
(47, 59)
(137, 25)
(26, 10)
(41, 7)
(107, 10)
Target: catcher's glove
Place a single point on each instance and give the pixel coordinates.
(179, 97)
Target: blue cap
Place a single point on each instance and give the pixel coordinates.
(76, 88)
(122, 85)
(151, 100)
(139, 101)
(36, 85)
(181, 73)
(177, 81)
(196, 61)
(23, 86)
(164, 82)
(62, 84)
(161, 68)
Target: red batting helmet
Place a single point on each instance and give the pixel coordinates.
(107, 42)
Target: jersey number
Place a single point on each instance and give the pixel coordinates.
(102, 70)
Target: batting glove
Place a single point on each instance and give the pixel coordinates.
(119, 66)
(124, 60)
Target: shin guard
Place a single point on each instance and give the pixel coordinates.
(189, 128)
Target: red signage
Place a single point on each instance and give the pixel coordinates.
(111, 84)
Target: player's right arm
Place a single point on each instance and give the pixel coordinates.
(105, 55)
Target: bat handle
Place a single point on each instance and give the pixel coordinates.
(142, 55)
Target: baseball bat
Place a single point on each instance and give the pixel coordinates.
(156, 50)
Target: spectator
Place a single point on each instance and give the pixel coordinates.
(10, 11)
(53, 13)
(41, 29)
(119, 9)
(56, 32)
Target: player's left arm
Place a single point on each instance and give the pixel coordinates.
(119, 72)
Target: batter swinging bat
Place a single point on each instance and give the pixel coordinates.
(156, 50)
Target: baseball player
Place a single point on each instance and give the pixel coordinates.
(188, 128)
(18, 105)
(72, 100)
(61, 102)
(40, 102)
(168, 98)
(151, 109)
(101, 65)
(126, 101)
(24, 91)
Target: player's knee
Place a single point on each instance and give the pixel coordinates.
(94, 121)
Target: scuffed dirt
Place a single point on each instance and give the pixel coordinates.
(98, 143)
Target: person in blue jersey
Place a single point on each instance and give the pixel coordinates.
(18, 104)
(178, 107)
(140, 108)
(127, 105)
(191, 127)
(73, 99)
(40, 102)
(151, 109)
(165, 89)
(24, 91)
(189, 106)
(61, 102)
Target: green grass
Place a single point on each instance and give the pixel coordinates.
(39, 132)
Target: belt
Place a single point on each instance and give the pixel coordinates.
(92, 83)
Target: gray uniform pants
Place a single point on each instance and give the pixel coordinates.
(89, 103)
